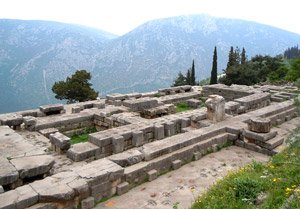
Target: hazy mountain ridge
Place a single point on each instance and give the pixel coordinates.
(35, 54)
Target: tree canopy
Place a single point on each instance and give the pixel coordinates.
(76, 88)
(188, 79)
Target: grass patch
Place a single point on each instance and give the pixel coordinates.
(78, 138)
(182, 107)
(278, 179)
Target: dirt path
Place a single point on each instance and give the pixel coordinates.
(185, 184)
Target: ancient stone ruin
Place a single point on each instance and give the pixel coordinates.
(136, 138)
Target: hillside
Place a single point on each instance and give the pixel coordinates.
(35, 54)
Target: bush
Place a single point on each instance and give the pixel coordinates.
(247, 189)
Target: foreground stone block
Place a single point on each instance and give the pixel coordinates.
(122, 188)
(259, 125)
(60, 140)
(11, 120)
(259, 136)
(152, 175)
(127, 158)
(215, 108)
(46, 132)
(8, 173)
(51, 109)
(83, 151)
(88, 203)
(118, 144)
(33, 165)
(176, 164)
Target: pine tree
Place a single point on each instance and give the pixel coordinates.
(193, 77)
(214, 70)
(180, 80)
(76, 88)
(243, 56)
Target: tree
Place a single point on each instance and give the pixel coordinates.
(193, 77)
(231, 61)
(243, 57)
(188, 77)
(180, 80)
(294, 73)
(214, 70)
(76, 88)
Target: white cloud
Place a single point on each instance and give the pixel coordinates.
(120, 16)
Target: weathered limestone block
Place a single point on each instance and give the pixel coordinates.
(259, 125)
(52, 109)
(253, 136)
(127, 158)
(33, 165)
(46, 132)
(83, 151)
(137, 138)
(11, 120)
(215, 108)
(169, 129)
(29, 122)
(43, 206)
(118, 144)
(122, 188)
(152, 175)
(159, 132)
(88, 203)
(76, 109)
(176, 164)
(20, 198)
(8, 173)
(60, 140)
(232, 107)
(1, 189)
(193, 103)
(52, 190)
(185, 122)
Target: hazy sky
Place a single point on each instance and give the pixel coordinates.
(121, 16)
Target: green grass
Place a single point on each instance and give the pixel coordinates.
(181, 107)
(78, 138)
(278, 179)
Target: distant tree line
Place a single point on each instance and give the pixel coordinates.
(240, 70)
(188, 79)
(292, 53)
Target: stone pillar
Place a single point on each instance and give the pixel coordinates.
(215, 108)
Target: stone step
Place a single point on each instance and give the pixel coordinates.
(272, 143)
(261, 137)
(286, 115)
(171, 144)
(83, 151)
(127, 158)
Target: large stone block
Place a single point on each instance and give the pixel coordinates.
(118, 144)
(159, 132)
(215, 108)
(60, 140)
(51, 109)
(259, 125)
(83, 151)
(33, 165)
(137, 138)
(127, 158)
(122, 188)
(88, 203)
(8, 173)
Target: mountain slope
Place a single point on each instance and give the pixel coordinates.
(35, 54)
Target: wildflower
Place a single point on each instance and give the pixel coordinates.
(298, 197)
(288, 189)
(274, 179)
(294, 186)
(272, 166)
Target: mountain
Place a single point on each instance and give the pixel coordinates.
(35, 54)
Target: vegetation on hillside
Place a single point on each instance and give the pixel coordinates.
(214, 70)
(83, 137)
(260, 68)
(76, 88)
(272, 185)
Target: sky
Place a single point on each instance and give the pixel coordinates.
(122, 16)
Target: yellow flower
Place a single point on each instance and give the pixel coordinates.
(294, 186)
(272, 166)
(288, 189)
(298, 197)
(274, 179)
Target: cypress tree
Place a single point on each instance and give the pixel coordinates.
(214, 70)
(243, 56)
(188, 77)
(193, 77)
(231, 59)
